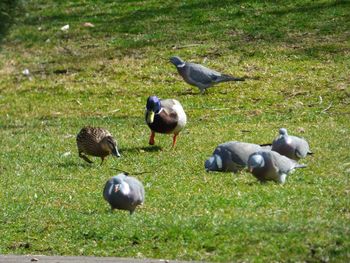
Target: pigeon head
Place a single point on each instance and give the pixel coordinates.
(123, 188)
(119, 185)
(256, 160)
(115, 180)
(109, 145)
(118, 179)
(152, 107)
(283, 131)
(214, 163)
(177, 61)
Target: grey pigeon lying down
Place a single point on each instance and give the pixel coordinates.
(124, 192)
(291, 146)
(200, 76)
(231, 156)
(271, 166)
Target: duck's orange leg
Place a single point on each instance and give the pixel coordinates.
(174, 140)
(151, 138)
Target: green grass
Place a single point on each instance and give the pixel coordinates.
(51, 202)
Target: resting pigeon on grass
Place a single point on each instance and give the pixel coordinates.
(124, 192)
(200, 76)
(291, 146)
(271, 166)
(231, 156)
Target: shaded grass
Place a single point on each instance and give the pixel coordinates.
(51, 202)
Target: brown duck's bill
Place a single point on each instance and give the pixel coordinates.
(116, 153)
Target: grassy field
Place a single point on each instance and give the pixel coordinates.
(51, 200)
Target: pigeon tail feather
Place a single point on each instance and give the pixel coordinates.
(224, 78)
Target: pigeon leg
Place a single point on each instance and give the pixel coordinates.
(84, 158)
(174, 140)
(151, 138)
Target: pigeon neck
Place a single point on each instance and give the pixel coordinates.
(124, 188)
(218, 161)
(181, 65)
(286, 138)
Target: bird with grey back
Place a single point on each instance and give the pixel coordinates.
(124, 192)
(200, 76)
(291, 146)
(96, 141)
(231, 156)
(271, 166)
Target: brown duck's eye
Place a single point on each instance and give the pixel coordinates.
(111, 142)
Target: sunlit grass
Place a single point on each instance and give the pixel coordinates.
(51, 201)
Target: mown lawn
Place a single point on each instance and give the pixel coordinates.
(51, 200)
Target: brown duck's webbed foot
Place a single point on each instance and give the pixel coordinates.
(85, 158)
(102, 160)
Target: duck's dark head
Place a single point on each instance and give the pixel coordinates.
(110, 145)
(177, 61)
(152, 107)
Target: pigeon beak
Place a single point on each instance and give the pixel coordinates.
(116, 188)
(150, 116)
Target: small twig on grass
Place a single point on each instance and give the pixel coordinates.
(297, 93)
(127, 173)
(251, 78)
(326, 109)
(185, 46)
(218, 109)
(207, 108)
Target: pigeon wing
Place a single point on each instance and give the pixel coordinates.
(137, 190)
(282, 163)
(107, 190)
(202, 75)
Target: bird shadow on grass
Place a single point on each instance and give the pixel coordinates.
(154, 148)
(187, 92)
(75, 163)
(7, 13)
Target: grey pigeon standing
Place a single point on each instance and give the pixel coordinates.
(291, 146)
(200, 76)
(124, 192)
(231, 156)
(271, 166)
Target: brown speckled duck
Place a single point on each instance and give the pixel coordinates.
(164, 116)
(96, 141)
